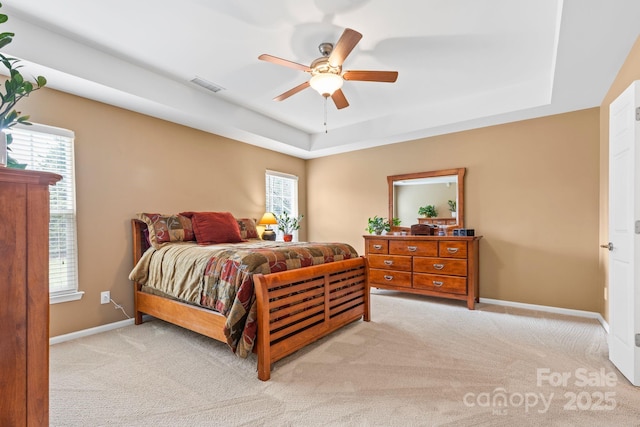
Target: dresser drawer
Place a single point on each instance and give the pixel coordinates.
(389, 278)
(452, 249)
(413, 247)
(390, 262)
(377, 246)
(432, 282)
(456, 267)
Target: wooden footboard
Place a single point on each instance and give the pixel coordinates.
(295, 307)
(298, 307)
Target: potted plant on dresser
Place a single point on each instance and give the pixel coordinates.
(453, 208)
(16, 88)
(428, 211)
(288, 224)
(377, 225)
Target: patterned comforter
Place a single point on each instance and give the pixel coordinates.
(219, 277)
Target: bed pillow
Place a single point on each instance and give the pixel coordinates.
(248, 229)
(214, 227)
(167, 228)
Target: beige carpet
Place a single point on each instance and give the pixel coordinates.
(420, 362)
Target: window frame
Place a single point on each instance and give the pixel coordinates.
(279, 208)
(64, 211)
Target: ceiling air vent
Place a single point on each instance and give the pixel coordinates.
(206, 84)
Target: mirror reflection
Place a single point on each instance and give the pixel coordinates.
(434, 197)
(426, 200)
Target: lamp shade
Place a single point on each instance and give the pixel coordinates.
(268, 219)
(326, 83)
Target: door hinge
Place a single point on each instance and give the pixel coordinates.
(638, 114)
(637, 340)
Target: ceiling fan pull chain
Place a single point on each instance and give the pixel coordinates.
(325, 115)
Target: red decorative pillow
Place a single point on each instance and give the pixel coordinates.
(167, 228)
(214, 227)
(248, 228)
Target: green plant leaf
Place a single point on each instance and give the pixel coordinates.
(12, 163)
(13, 115)
(24, 120)
(15, 87)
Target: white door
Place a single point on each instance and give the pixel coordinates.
(624, 233)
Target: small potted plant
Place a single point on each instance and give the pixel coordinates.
(452, 208)
(393, 224)
(288, 224)
(377, 225)
(16, 88)
(429, 211)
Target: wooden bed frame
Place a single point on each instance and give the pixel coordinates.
(295, 307)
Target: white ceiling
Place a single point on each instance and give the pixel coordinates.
(462, 63)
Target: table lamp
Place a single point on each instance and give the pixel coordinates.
(268, 219)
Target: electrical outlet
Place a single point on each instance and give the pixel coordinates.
(105, 297)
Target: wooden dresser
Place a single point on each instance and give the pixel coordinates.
(441, 266)
(24, 293)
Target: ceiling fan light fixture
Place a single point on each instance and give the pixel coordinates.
(326, 83)
(327, 77)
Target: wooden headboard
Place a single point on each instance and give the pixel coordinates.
(140, 239)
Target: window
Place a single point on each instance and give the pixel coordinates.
(282, 196)
(50, 149)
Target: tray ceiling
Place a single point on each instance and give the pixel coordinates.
(462, 64)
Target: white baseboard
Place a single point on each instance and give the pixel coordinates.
(549, 309)
(558, 310)
(90, 331)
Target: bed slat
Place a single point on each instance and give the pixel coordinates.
(313, 311)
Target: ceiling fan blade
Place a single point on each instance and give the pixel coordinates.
(292, 91)
(286, 63)
(371, 76)
(339, 99)
(343, 48)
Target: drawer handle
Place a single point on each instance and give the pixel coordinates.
(452, 250)
(438, 266)
(388, 262)
(377, 246)
(412, 248)
(388, 278)
(437, 283)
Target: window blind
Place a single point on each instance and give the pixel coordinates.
(281, 195)
(50, 149)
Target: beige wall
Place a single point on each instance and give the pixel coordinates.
(536, 190)
(531, 189)
(128, 163)
(629, 72)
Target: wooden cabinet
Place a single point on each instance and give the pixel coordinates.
(442, 266)
(24, 293)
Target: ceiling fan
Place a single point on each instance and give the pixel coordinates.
(326, 72)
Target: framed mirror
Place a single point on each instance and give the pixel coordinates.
(442, 189)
